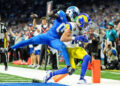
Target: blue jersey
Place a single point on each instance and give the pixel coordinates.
(59, 23)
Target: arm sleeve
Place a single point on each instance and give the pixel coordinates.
(60, 14)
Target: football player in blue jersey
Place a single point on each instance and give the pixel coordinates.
(52, 37)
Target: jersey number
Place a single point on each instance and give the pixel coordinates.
(61, 27)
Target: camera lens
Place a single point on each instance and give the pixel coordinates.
(109, 45)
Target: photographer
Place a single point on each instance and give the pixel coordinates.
(3, 44)
(92, 46)
(112, 59)
(118, 44)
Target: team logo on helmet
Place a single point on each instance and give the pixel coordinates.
(72, 12)
(86, 17)
(80, 21)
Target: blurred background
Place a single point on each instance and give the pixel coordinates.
(16, 15)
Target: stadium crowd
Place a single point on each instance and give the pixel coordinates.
(25, 19)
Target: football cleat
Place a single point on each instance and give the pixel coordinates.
(82, 81)
(47, 76)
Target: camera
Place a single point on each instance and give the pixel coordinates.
(109, 45)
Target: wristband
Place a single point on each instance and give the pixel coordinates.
(73, 38)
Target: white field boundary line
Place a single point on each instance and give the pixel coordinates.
(24, 72)
(111, 72)
(69, 80)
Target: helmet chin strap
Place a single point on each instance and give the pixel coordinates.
(69, 19)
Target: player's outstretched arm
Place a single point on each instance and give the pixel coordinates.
(66, 36)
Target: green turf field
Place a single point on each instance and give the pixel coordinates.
(108, 74)
(12, 78)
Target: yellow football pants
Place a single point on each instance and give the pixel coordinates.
(77, 52)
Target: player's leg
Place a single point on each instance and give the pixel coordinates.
(72, 63)
(50, 74)
(57, 44)
(71, 53)
(39, 39)
(82, 54)
(84, 66)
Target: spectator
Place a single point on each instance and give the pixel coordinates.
(112, 59)
(37, 50)
(26, 48)
(43, 27)
(31, 48)
(111, 34)
(11, 42)
(3, 44)
(92, 46)
(102, 12)
(118, 44)
(18, 37)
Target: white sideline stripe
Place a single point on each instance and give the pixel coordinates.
(69, 80)
(114, 73)
(111, 72)
(24, 72)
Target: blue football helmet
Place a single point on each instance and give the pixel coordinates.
(86, 17)
(72, 12)
(80, 21)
